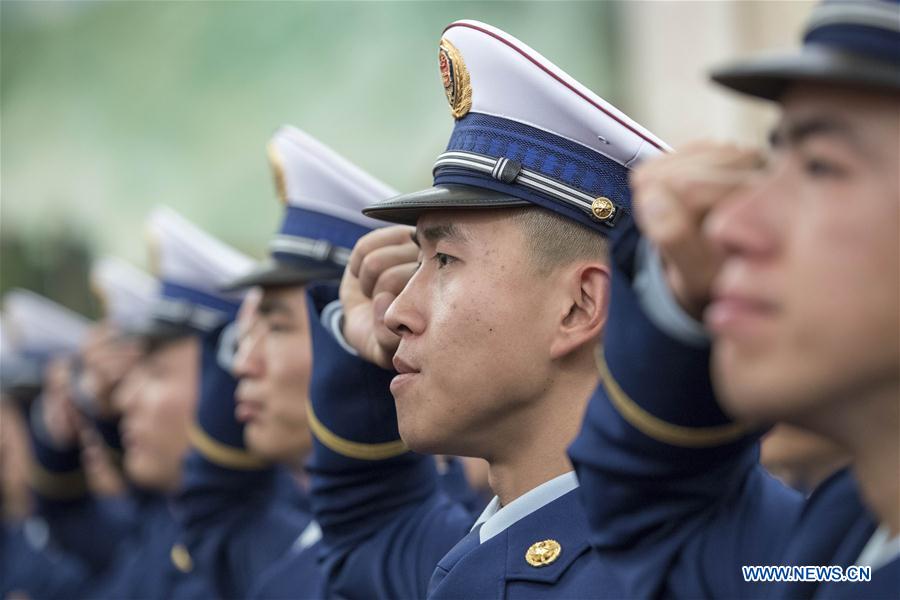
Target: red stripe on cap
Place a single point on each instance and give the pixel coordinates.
(559, 79)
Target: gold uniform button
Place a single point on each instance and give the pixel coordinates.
(602, 208)
(541, 554)
(181, 558)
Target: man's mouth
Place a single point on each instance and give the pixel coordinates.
(402, 367)
(406, 372)
(733, 311)
(247, 410)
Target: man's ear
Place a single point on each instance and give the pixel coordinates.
(586, 288)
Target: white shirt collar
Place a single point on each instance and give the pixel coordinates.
(880, 550)
(495, 519)
(309, 536)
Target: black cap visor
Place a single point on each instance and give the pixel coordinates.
(160, 331)
(406, 209)
(278, 274)
(768, 77)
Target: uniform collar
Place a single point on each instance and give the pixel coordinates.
(496, 519)
(880, 550)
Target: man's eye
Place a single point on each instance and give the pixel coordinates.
(817, 167)
(443, 259)
(280, 327)
(156, 371)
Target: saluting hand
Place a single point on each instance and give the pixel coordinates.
(381, 264)
(673, 195)
(106, 357)
(58, 413)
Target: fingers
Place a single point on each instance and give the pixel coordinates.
(672, 197)
(387, 340)
(248, 312)
(386, 236)
(380, 260)
(711, 159)
(363, 325)
(393, 280)
(696, 178)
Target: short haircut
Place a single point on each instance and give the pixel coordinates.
(555, 240)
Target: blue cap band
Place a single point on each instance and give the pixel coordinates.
(540, 167)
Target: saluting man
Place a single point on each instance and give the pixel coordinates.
(243, 507)
(156, 400)
(791, 260)
(497, 329)
(35, 331)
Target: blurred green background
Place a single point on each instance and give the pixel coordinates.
(109, 108)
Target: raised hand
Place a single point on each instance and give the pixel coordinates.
(673, 195)
(381, 264)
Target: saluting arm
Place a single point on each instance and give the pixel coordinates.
(78, 522)
(672, 486)
(385, 520)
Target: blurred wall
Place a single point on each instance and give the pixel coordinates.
(109, 108)
(669, 47)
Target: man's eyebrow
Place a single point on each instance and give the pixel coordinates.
(446, 231)
(268, 306)
(793, 133)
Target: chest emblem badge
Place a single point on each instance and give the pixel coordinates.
(541, 554)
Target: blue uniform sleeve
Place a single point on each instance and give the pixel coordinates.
(107, 426)
(385, 522)
(674, 494)
(234, 515)
(294, 576)
(38, 572)
(57, 476)
(78, 522)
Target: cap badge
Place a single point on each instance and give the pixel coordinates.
(278, 173)
(541, 554)
(602, 208)
(181, 558)
(154, 252)
(455, 78)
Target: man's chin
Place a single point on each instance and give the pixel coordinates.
(145, 476)
(749, 395)
(422, 442)
(738, 388)
(256, 439)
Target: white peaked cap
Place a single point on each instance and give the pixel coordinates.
(526, 133)
(324, 195)
(316, 178)
(186, 255)
(15, 369)
(6, 346)
(37, 326)
(508, 70)
(127, 293)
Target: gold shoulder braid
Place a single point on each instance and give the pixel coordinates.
(656, 428)
(223, 454)
(349, 448)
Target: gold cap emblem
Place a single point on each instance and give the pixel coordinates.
(455, 78)
(541, 554)
(154, 252)
(278, 172)
(181, 558)
(602, 208)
